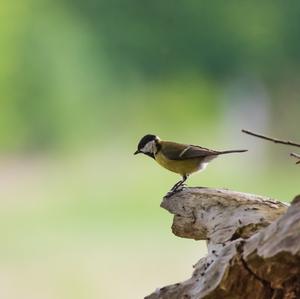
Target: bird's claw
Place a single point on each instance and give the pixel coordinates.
(173, 191)
(169, 194)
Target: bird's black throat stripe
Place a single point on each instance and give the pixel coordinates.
(158, 147)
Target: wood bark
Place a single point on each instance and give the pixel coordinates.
(253, 245)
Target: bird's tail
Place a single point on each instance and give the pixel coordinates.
(232, 151)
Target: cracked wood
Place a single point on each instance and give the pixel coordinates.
(253, 245)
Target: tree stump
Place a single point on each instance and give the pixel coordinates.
(253, 245)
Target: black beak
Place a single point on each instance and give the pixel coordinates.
(136, 152)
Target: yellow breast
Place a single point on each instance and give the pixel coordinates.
(183, 167)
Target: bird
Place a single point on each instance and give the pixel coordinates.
(183, 159)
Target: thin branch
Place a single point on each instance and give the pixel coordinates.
(297, 156)
(272, 139)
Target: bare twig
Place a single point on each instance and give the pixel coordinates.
(297, 156)
(272, 139)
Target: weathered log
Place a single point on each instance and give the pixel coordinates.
(253, 245)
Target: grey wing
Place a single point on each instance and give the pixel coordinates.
(185, 151)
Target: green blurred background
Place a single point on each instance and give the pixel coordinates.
(81, 82)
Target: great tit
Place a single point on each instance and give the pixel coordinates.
(183, 159)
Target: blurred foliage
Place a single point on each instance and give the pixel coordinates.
(71, 69)
(159, 38)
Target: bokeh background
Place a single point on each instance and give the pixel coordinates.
(81, 82)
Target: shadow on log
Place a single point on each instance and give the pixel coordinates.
(253, 245)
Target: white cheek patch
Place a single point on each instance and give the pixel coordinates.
(149, 147)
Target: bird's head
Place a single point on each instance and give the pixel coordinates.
(148, 145)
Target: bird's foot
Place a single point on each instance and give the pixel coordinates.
(170, 193)
(178, 186)
(173, 191)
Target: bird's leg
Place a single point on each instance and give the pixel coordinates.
(176, 187)
(179, 184)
